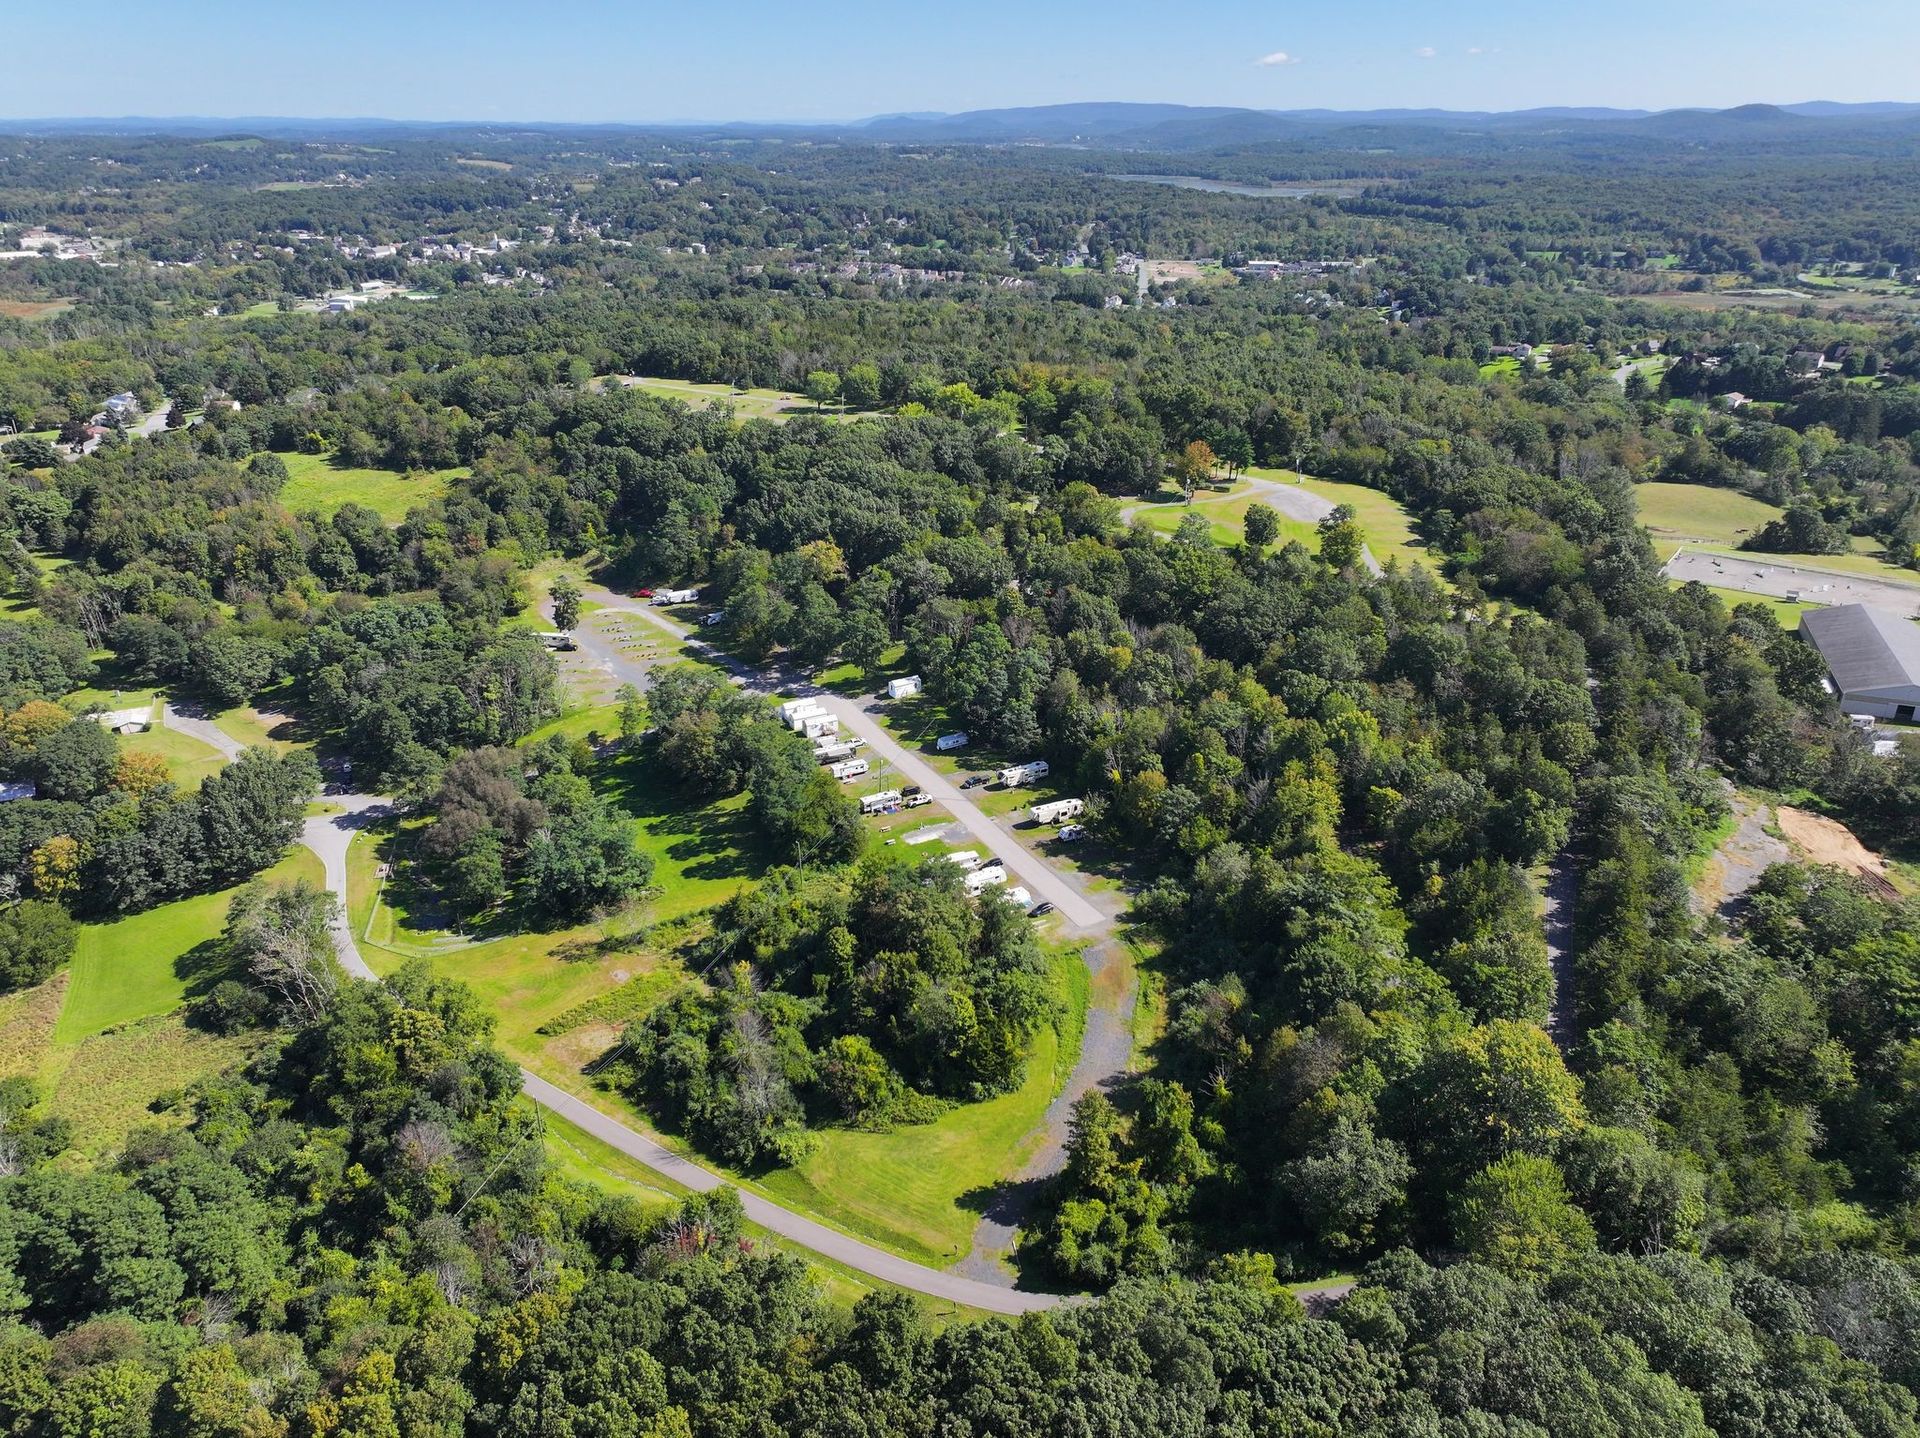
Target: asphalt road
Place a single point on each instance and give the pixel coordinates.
(1080, 916)
(330, 837)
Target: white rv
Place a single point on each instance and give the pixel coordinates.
(792, 707)
(833, 753)
(819, 726)
(1019, 895)
(1058, 812)
(847, 770)
(879, 803)
(985, 878)
(947, 743)
(675, 596)
(903, 688)
(1015, 775)
(965, 858)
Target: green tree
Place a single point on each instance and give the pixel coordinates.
(282, 935)
(1262, 525)
(823, 387)
(1517, 1215)
(566, 598)
(861, 386)
(633, 713)
(36, 938)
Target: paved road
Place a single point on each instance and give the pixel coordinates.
(1563, 1006)
(193, 722)
(1081, 916)
(1813, 585)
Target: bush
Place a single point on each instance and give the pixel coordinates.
(35, 939)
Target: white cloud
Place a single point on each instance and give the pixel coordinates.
(1426, 52)
(1278, 57)
(1476, 49)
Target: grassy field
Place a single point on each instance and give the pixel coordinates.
(256, 729)
(1382, 518)
(1785, 610)
(189, 762)
(1501, 367)
(148, 964)
(919, 1189)
(110, 1083)
(774, 404)
(1700, 513)
(1226, 516)
(34, 309)
(315, 482)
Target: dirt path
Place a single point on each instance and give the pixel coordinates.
(1106, 1057)
(1557, 919)
(1748, 852)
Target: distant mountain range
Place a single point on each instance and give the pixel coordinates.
(1113, 124)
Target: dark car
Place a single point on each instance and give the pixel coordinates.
(910, 789)
(974, 781)
(1040, 910)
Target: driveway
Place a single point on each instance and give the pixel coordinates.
(1809, 583)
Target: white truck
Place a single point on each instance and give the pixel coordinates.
(675, 596)
(1013, 776)
(985, 878)
(947, 743)
(1058, 812)
(903, 688)
(847, 770)
(879, 803)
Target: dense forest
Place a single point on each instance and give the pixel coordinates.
(1675, 1192)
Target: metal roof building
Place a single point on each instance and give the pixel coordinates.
(1873, 656)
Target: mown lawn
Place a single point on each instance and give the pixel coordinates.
(189, 762)
(315, 482)
(1700, 513)
(1785, 610)
(148, 964)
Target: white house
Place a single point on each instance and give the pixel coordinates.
(1873, 656)
(903, 688)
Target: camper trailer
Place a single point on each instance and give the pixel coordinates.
(965, 858)
(833, 753)
(557, 639)
(1019, 895)
(1016, 775)
(819, 726)
(1058, 812)
(675, 596)
(903, 688)
(879, 803)
(947, 743)
(847, 770)
(985, 878)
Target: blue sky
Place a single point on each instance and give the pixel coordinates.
(644, 60)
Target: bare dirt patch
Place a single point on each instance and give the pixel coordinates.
(34, 309)
(1826, 841)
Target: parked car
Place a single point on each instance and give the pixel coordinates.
(643, 594)
(911, 789)
(1072, 833)
(974, 781)
(1040, 910)
(914, 801)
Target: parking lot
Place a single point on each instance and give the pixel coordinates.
(1792, 581)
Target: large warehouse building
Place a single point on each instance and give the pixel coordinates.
(1873, 656)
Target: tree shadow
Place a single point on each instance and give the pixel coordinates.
(201, 967)
(705, 840)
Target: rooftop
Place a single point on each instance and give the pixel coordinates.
(1865, 648)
